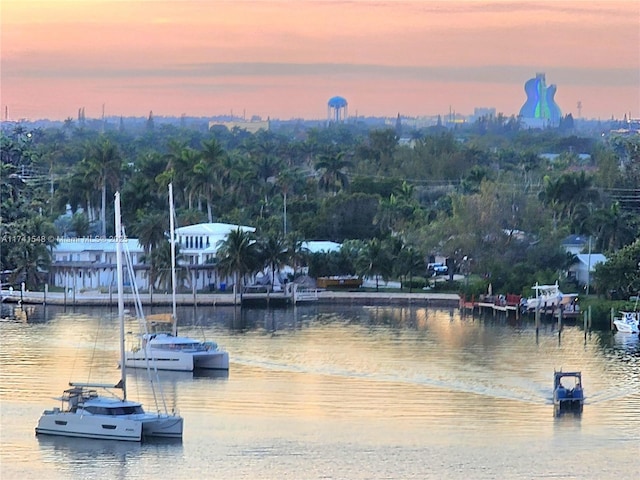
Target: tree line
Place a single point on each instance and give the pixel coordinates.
(483, 196)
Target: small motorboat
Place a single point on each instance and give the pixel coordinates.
(627, 322)
(568, 395)
(549, 297)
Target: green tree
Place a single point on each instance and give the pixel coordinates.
(621, 272)
(160, 266)
(209, 181)
(272, 251)
(297, 253)
(333, 167)
(103, 167)
(237, 255)
(150, 229)
(614, 228)
(30, 254)
(410, 263)
(374, 260)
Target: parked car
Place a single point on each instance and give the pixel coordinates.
(437, 269)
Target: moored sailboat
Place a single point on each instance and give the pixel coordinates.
(160, 342)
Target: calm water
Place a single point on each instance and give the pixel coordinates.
(334, 392)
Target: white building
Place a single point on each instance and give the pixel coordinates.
(197, 246)
(88, 263)
(582, 269)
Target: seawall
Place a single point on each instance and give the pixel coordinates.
(212, 299)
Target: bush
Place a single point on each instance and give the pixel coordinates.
(414, 283)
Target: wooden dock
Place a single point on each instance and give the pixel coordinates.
(509, 306)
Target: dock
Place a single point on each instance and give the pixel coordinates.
(509, 306)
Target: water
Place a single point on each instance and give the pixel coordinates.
(333, 392)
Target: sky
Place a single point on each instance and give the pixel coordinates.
(284, 59)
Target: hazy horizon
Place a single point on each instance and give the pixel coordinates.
(285, 59)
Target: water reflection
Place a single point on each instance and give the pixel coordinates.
(336, 382)
(81, 458)
(23, 313)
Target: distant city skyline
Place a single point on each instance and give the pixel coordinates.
(285, 59)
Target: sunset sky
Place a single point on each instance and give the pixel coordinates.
(284, 59)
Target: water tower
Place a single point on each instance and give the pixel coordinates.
(337, 109)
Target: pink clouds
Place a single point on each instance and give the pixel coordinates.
(286, 58)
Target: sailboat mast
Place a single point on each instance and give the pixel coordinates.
(172, 228)
(120, 275)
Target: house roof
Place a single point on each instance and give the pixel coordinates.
(321, 246)
(218, 229)
(596, 258)
(90, 244)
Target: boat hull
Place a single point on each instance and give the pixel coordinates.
(178, 361)
(569, 405)
(162, 426)
(68, 424)
(623, 326)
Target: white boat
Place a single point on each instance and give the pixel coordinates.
(627, 322)
(161, 343)
(550, 297)
(95, 411)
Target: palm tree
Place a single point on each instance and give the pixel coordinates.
(31, 257)
(410, 263)
(272, 250)
(150, 230)
(237, 255)
(333, 176)
(387, 214)
(103, 164)
(266, 169)
(374, 260)
(210, 177)
(181, 161)
(160, 267)
(551, 196)
(615, 228)
(286, 180)
(296, 252)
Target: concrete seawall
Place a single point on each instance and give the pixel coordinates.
(445, 300)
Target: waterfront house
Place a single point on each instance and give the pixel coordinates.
(582, 269)
(197, 246)
(89, 263)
